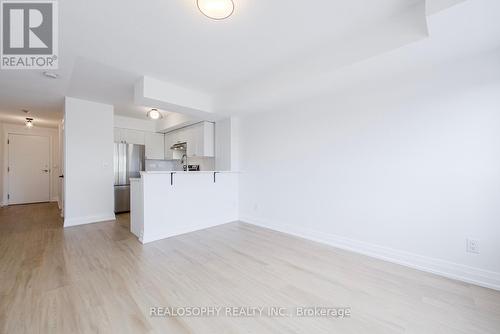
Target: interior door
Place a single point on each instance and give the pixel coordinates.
(29, 169)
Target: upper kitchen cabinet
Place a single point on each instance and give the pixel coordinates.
(200, 140)
(155, 146)
(129, 136)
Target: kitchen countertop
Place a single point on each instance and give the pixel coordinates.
(187, 172)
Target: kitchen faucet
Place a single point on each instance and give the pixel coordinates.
(184, 162)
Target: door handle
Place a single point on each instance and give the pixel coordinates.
(45, 170)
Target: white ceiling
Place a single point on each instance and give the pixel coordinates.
(268, 52)
(171, 40)
(465, 30)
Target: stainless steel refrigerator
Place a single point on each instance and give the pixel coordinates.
(128, 163)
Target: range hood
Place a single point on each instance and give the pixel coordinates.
(179, 147)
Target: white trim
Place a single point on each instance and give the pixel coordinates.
(88, 220)
(460, 272)
(55, 199)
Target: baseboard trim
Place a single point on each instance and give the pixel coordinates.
(69, 222)
(463, 273)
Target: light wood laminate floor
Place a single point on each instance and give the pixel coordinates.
(99, 279)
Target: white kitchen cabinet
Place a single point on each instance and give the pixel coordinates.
(200, 139)
(155, 145)
(129, 136)
(190, 135)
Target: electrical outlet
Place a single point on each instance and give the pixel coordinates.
(472, 246)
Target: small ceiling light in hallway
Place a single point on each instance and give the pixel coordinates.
(29, 122)
(216, 9)
(51, 75)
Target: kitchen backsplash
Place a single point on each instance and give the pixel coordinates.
(168, 165)
(161, 165)
(205, 163)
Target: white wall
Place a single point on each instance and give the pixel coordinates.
(134, 123)
(168, 96)
(226, 144)
(88, 133)
(5, 130)
(405, 169)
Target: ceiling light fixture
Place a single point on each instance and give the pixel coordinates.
(216, 9)
(51, 75)
(29, 122)
(154, 114)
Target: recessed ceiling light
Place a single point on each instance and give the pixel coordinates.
(29, 122)
(51, 75)
(154, 114)
(216, 9)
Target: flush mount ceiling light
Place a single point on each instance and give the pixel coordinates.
(51, 75)
(216, 9)
(154, 114)
(29, 122)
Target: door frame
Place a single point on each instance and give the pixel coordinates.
(52, 134)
